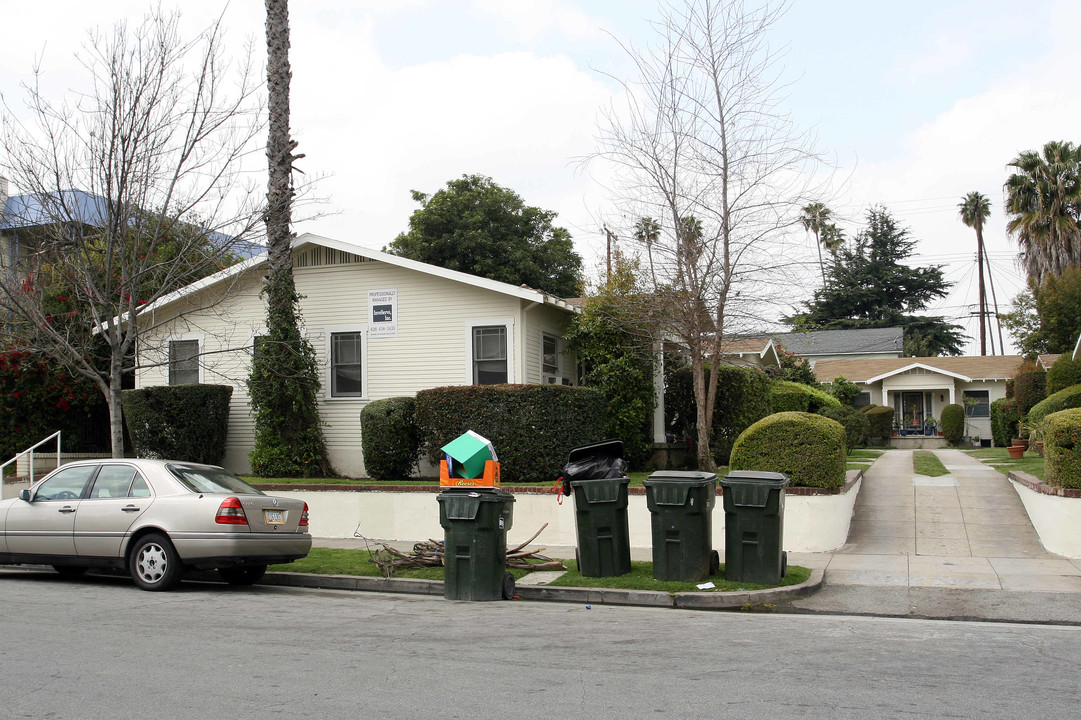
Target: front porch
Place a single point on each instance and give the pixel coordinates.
(918, 442)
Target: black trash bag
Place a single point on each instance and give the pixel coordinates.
(593, 462)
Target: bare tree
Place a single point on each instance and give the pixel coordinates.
(704, 146)
(134, 189)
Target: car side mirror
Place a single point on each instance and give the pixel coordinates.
(25, 495)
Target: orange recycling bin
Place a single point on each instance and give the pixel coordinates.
(490, 477)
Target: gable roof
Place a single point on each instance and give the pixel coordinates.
(23, 211)
(867, 370)
(843, 342)
(519, 291)
(746, 346)
(1046, 361)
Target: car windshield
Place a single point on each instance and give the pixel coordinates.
(211, 480)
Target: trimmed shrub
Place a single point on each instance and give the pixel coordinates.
(179, 422)
(953, 423)
(879, 422)
(389, 438)
(809, 448)
(1062, 449)
(1004, 421)
(743, 398)
(1065, 372)
(532, 427)
(1029, 388)
(1062, 400)
(788, 396)
(854, 422)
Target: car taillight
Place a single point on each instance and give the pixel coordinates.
(231, 512)
(304, 516)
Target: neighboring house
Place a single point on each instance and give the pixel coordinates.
(381, 326)
(843, 344)
(918, 388)
(1044, 362)
(23, 216)
(760, 352)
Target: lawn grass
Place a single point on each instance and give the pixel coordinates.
(925, 462)
(1030, 462)
(340, 561)
(865, 453)
(641, 578)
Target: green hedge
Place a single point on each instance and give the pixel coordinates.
(854, 422)
(809, 448)
(1004, 421)
(532, 427)
(1062, 400)
(953, 423)
(179, 422)
(879, 421)
(1029, 388)
(1065, 372)
(1062, 449)
(788, 396)
(743, 398)
(389, 438)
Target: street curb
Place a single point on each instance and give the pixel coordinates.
(546, 593)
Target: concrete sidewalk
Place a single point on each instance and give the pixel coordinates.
(958, 546)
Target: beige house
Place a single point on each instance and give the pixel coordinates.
(381, 326)
(918, 388)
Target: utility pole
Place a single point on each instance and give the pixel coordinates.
(983, 299)
(611, 239)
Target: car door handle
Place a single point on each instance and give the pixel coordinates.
(67, 509)
(129, 508)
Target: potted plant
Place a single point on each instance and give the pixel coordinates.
(929, 425)
(1035, 432)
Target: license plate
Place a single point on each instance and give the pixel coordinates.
(274, 517)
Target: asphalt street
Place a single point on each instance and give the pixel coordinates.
(96, 647)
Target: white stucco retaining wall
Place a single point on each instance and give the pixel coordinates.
(1057, 519)
(815, 523)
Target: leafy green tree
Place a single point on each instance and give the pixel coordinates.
(1023, 325)
(975, 208)
(612, 339)
(873, 288)
(1044, 318)
(1043, 199)
(478, 227)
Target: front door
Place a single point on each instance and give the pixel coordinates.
(912, 411)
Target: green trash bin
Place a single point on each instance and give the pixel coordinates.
(475, 524)
(753, 526)
(681, 509)
(604, 545)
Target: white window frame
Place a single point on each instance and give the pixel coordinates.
(198, 337)
(549, 378)
(328, 385)
(508, 324)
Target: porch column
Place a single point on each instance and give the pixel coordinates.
(953, 392)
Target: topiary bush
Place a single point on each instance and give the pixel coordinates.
(1062, 400)
(1062, 449)
(788, 396)
(532, 427)
(809, 448)
(1065, 372)
(179, 422)
(1029, 388)
(879, 422)
(854, 422)
(953, 423)
(743, 398)
(389, 438)
(1004, 421)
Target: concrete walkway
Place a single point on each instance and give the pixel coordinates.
(958, 545)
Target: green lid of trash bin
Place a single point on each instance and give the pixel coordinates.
(672, 487)
(752, 488)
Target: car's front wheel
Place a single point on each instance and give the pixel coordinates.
(242, 574)
(154, 564)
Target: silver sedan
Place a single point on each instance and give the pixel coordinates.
(153, 518)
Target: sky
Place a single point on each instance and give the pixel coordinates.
(916, 104)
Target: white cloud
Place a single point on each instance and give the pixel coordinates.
(531, 20)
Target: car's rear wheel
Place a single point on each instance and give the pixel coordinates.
(154, 564)
(70, 570)
(242, 574)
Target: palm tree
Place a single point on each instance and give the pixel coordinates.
(815, 218)
(647, 230)
(1043, 198)
(974, 209)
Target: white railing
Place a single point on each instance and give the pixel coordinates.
(29, 451)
